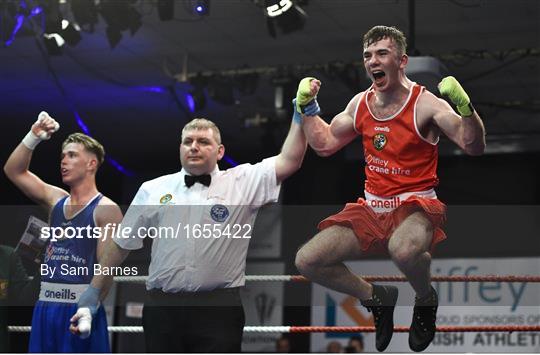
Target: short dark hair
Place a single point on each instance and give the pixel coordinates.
(377, 33)
(89, 143)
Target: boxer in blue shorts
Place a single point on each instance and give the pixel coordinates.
(76, 241)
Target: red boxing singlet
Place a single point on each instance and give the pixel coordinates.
(398, 158)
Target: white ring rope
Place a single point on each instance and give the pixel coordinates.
(248, 278)
(337, 329)
(268, 277)
(379, 278)
(139, 329)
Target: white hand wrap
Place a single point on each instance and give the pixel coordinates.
(31, 140)
(43, 135)
(84, 322)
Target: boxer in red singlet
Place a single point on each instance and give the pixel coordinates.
(400, 123)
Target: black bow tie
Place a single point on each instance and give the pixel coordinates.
(202, 179)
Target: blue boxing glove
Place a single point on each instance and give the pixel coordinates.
(297, 117)
(312, 108)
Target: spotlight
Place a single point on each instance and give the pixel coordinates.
(202, 7)
(278, 97)
(36, 11)
(19, 20)
(71, 33)
(276, 8)
(12, 17)
(190, 102)
(53, 43)
(285, 15)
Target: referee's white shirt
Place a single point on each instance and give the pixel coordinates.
(188, 263)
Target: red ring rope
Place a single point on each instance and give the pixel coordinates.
(454, 329)
(455, 278)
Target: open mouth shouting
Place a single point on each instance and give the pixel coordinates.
(378, 76)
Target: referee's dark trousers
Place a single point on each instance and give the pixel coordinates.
(194, 322)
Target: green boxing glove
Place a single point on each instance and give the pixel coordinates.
(303, 95)
(451, 88)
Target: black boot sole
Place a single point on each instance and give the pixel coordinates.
(393, 293)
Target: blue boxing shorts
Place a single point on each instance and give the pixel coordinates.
(50, 330)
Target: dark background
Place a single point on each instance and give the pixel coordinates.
(132, 98)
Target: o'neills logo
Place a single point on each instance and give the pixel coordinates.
(394, 202)
(64, 294)
(379, 141)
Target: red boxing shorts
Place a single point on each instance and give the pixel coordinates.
(374, 228)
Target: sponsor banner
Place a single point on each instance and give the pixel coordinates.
(263, 305)
(461, 304)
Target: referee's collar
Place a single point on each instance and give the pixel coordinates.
(214, 172)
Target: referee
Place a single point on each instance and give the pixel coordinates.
(196, 270)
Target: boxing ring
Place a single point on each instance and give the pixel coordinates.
(331, 329)
(341, 329)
